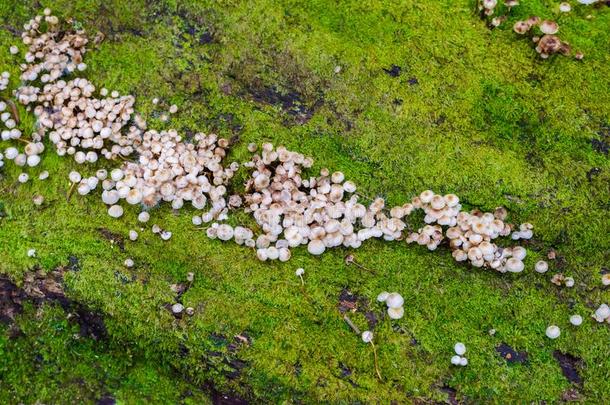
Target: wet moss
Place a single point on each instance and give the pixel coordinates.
(484, 119)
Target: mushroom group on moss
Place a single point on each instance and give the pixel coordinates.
(547, 42)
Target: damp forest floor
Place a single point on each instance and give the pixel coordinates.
(401, 97)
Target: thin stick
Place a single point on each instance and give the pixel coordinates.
(70, 191)
(376, 363)
(351, 324)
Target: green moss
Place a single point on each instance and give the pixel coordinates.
(473, 111)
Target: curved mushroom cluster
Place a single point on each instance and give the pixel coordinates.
(290, 208)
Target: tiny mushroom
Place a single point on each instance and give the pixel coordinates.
(383, 296)
(460, 348)
(299, 272)
(576, 320)
(553, 332)
(367, 336)
(549, 27)
(541, 266)
(177, 308)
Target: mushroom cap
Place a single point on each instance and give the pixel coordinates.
(514, 265)
(177, 308)
(115, 211)
(521, 27)
(553, 332)
(367, 336)
(394, 300)
(533, 20)
(541, 266)
(519, 253)
(383, 296)
(549, 27)
(576, 320)
(316, 247)
(460, 348)
(396, 313)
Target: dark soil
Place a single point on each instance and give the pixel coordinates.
(511, 355)
(40, 287)
(570, 366)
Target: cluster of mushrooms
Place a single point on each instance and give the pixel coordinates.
(487, 8)
(470, 234)
(547, 43)
(290, 209)
(4, 80)
(394, 302)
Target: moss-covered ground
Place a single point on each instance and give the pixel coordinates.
(471, 111)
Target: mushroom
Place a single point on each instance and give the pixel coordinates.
(521, 27)
(396, 313)
(553, 332)
(460, 348)
(576, 320)
(541, 266)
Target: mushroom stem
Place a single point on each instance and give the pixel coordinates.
(302, 281)
(351, 324)
(364, 268)
(376, 362)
